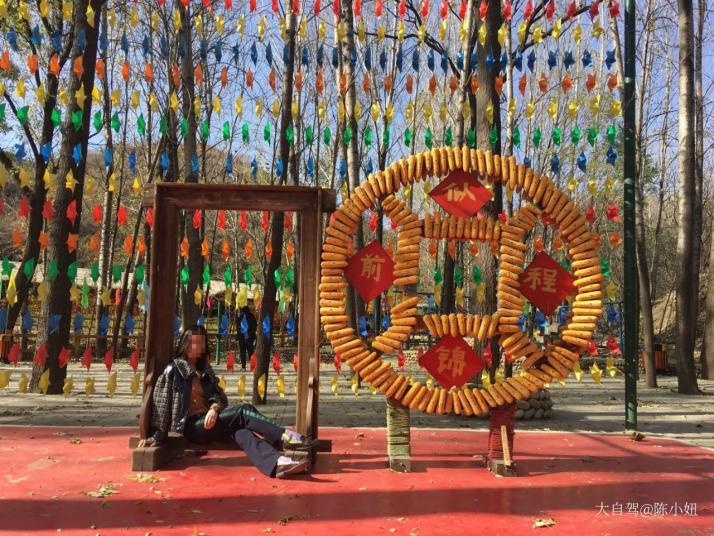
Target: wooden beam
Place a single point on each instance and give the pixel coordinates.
(241, 197)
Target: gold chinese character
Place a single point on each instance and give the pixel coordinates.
(451, 360)
(454, 194)
(372, 266)
(542, 278)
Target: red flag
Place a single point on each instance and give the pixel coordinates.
(149, 217)
(373, 221)
(482, 10)
(488, 355)
(507, 10)
(24, 208)
(72, 211)
(594, 10)
(276, 363)
(121, 215)
(63, 357)
(288, 223)
(109, 359)
(592, 347)
(47, 210)
(14, 355)
(41, 355)
(265, 224)
(231, 361)
(253, 362)
(337, 361)
(134, 359)
(612, 346)
(550, 10)
(590, 214)
(196, 219)
(528, 10)
(295, 362)
(243, 220)
(614, 9)
(613, 212)
(87, 357)
(97, 214)
(221, 219)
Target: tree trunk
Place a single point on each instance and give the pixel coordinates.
(267, 307)
(190, 309)
(686, 308)
(486, 95)
(58, 302)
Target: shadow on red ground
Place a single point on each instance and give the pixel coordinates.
(587, 483)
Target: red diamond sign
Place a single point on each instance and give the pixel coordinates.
(461, 194)
(370, 271)
(545, 283)
(451, 362)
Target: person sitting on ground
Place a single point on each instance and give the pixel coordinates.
(187, 399)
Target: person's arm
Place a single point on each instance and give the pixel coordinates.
(162, 401)
(217, 397)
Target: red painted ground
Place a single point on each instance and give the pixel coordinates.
(564, 476)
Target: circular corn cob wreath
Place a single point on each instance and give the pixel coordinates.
(538, 367)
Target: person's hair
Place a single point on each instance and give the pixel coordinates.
(185, 342)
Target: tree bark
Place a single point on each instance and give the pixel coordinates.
(686, 308)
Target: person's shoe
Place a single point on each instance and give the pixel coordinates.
(294, 441)
(291, 467)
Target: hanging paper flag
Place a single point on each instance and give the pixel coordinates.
(337, 362)
(612, 346)
(103, 324)
(41, 355)
(266, 327)
(276, 363)
(53, 322)
(370, 271)
(253, 362)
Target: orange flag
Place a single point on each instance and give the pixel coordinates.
(94, 243)
(184, 247)
(43, 240)
(78, 66)
(17, 238)
(204, 247)
(225, 249)
(101, 68)
(72, 242)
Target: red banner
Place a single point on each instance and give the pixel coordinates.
(545, 283)
(451, 362)
(370, 271)
(461, 194)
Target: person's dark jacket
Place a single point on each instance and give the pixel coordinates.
(172, 393)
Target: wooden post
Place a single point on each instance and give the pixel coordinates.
(162, 299)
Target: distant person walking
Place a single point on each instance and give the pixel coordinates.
(247, 326)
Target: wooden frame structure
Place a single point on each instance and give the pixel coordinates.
(167, 200)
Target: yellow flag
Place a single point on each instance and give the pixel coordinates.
(4, 378)
(280, 383)
(261, 386)
(44, 382)
(89, 389)
(135, 383)
(112, 384)
(241, 387)
(23, 383)
(67, 387)
(335, 386)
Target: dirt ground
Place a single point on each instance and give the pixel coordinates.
(579, 407)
